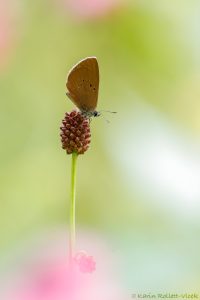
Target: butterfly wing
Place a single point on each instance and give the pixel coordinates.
(83, 84)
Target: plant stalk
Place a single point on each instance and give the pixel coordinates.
(72, 228)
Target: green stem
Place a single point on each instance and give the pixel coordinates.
(72, 230)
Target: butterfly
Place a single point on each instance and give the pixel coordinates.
(83, 86)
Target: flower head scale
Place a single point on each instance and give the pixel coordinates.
(75, 133)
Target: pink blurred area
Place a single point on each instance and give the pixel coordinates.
(39, 271)
(91, 8)
(8, 33)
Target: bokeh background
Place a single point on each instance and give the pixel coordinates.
(138, 188)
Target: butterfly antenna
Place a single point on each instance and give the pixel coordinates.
(108, 111)
(106, 120)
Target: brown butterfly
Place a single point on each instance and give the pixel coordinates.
(83, 86)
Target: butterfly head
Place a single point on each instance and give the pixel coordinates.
(96, 113)
(90, 114)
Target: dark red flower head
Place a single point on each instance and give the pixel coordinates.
(75, 133)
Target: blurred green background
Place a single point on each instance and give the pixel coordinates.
(139, 184)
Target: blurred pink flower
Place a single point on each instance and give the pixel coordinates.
(8, 14)
(48, 283)
(91, 8)
(86, 263)
(40, 271)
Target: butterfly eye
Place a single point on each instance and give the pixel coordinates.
(90, 85)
